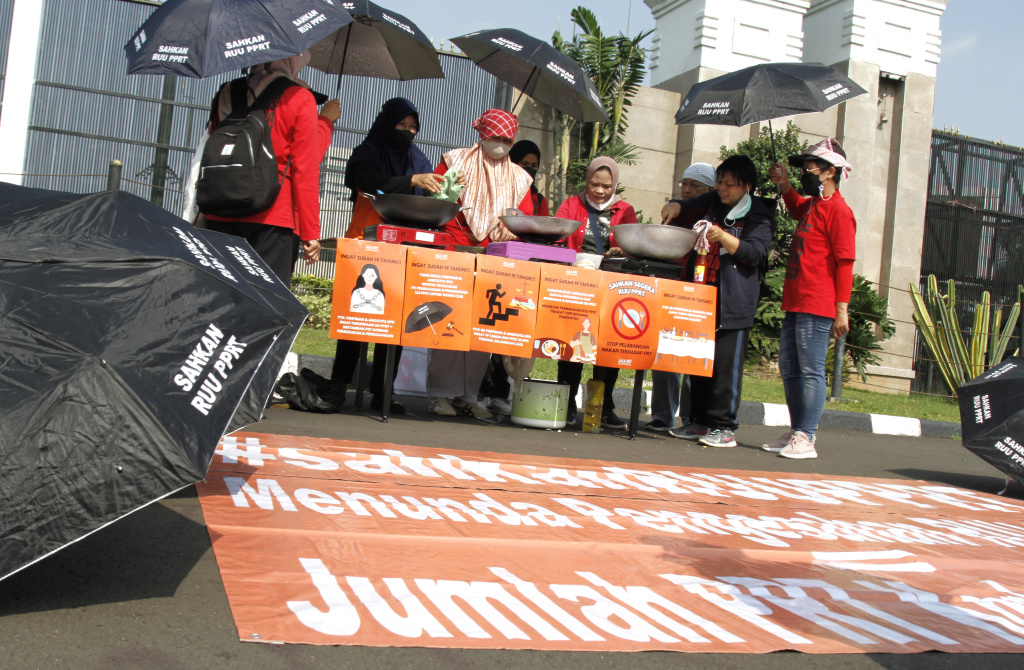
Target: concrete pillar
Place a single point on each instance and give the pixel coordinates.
(26, 22)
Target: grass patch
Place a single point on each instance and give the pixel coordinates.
(757, 386)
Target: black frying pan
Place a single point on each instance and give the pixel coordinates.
(414, 210)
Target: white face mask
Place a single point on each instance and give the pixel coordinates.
(496, 150)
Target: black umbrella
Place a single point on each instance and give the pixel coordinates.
(279, 298)
(992, 417)
(379, 43)
(126, 345)
(537, 69)
(202, 38)
(426, 315)
(765, 92)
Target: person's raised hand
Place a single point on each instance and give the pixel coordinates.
(331, 110)
(428, 182)
(779, 175)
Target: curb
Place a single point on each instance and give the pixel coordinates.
(750, 413)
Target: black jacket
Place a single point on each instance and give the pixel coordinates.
(739, 285)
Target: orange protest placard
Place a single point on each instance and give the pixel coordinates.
(324, 541)
(505, 305)
(686, 325)
(369, 286)
(568, 315)
(438, 299)
(629, 310)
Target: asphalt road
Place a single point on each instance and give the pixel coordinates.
(146, 592)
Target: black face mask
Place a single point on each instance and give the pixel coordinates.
(400, 139)
(532, 172)
(811, 184)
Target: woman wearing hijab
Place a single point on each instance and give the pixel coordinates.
(598, 209)
(496, 387)
(735, 233)
(387, 161)
(493, 183)
(300, 137)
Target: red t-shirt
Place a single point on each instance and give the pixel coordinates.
(819, 274)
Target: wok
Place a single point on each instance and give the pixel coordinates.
(417, 211)
(539, 228)
(646, 240)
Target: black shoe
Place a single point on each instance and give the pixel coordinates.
(612, 420)
(377, 404)
(658, 426)
(570, 416)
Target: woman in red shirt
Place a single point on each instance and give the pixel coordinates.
(300, 137)
(819, 280)
(598, 209)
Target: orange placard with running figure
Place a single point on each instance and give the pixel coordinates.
(505, 305)
(369, 286)
(568, 314)
(438, 299)
(686, 328)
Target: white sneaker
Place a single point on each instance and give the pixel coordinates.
(779, 444)
(499, 406)
(441, 407)
(471, 408)
(799, 447)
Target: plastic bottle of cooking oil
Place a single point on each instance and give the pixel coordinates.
(594, 404)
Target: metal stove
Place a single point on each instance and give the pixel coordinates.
(641, 266)
(420, 237)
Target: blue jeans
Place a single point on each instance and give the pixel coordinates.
(802, 351)
(670, 396)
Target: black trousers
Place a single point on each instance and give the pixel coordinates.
(276, 245)
(715, 400)
(496, 380)
(571, 373)
(346, 357)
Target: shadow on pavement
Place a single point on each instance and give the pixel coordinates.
(147, 554)
(979, 483)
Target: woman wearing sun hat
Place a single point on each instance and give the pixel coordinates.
(819, 280)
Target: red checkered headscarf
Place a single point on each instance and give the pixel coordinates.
(496, 123)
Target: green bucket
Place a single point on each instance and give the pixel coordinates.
(541, 404)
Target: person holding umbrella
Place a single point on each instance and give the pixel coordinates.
(387, 161)
(493, 183)
(300, 137)
(735, 229)
(819, 280)
(598, 209)
(669, 388)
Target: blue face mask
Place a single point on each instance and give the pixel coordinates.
(741, 209)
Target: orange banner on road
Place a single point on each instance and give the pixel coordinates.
(686, 328)
(438, 299)
(505, 305)
(369, 286)
(567, 321)
(336, 542)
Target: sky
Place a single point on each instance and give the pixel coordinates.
(980, 83)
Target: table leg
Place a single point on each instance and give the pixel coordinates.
(389, 366)
(634, 410)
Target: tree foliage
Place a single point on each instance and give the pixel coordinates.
(617, 66)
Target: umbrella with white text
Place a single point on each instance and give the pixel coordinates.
(992, 417)
(126, 344)
(203, 38)
(537, 69)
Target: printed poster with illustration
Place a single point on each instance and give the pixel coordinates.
(438, 299)
(369, 287)
(628, 325)
(567, 318)
(505, 305)
(686, 328)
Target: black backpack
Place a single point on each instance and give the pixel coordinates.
(238, 170)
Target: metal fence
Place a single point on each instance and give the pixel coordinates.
(86, 111)
(974, 226)
(6, 12)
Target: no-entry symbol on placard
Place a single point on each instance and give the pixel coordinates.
(630, 319)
